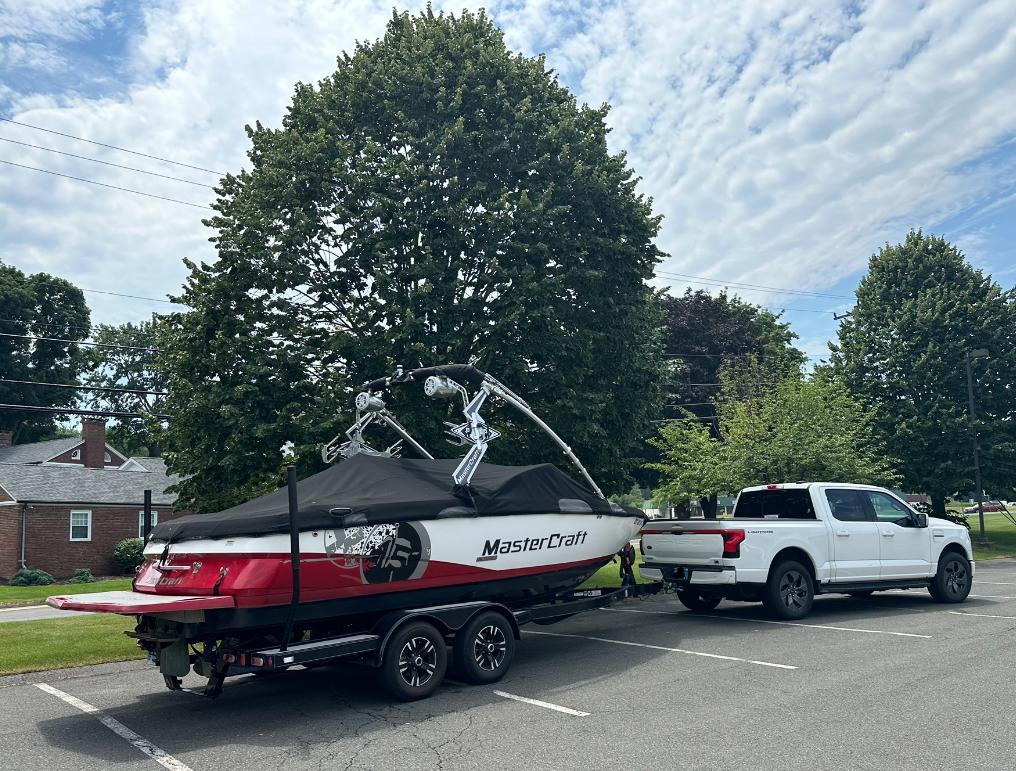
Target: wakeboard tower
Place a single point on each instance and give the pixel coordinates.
(374, 535)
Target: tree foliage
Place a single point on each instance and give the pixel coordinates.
(919, 310)
(800, 430)
(38, 305)
(134, 365)
(437, 199)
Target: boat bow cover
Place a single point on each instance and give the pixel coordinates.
(370, 490)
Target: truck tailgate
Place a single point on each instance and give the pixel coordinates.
(686, 548)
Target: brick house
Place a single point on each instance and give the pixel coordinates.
(66, 503)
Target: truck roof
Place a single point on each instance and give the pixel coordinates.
(807, 485)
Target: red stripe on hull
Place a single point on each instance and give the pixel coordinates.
(258, 580)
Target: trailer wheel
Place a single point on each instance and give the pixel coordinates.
(414, 661)
(484, 649)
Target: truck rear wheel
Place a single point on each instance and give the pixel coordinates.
(790, 591)
(484, 649)
(693, 600)
(952, 582)
(414, 661)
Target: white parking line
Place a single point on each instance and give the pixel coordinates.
(979, 582)
(23, 607)
(663, 648)
(160, 756)
(765, 621)
(545, 704)
(981, 615)
(993, 596)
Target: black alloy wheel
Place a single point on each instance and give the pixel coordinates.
(790, 591)
(484, 648)
(414, 661)
(954, 579)
(694, 600)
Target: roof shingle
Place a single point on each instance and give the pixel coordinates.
(68, 484)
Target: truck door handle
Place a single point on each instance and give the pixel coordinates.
(888, 534)
(843, 533)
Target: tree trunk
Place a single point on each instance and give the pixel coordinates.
(708, 506)
(938, 505)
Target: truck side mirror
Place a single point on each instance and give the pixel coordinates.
(920, 519)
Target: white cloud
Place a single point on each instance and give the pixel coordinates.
(783, 142)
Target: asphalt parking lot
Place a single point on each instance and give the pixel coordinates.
(893, 681)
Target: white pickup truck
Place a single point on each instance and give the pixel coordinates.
(786, 543)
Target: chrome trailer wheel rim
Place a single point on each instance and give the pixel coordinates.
(417, 661)
(489, 648)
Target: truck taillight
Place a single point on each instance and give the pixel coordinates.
(731, 540)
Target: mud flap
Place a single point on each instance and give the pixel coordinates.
(174, 659)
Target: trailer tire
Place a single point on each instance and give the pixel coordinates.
(414, 661)
(790, 591)
(693, 600)
(484, 649)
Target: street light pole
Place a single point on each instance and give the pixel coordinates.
(979, 353)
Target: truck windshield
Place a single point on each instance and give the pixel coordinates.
(774, 504)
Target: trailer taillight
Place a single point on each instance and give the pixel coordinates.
(229, 658)
(257, 661)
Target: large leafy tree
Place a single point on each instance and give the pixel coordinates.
(437, 199)
(128, 363)
(704, 334)
(37, 306)
(919, 310)
(800, 430)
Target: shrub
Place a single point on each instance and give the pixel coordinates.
(128, 554)
(82, 576)
(31, 577)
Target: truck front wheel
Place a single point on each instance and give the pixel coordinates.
(692, 600)
(789, 592)
(953, 581)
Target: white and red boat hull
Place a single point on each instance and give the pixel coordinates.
(509, 559)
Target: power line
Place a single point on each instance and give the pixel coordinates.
(103, 184)
(114, 147)
(69, 411)
(83, 342)
(753, 287)
(79, 387)
(106, 163)
(114, 294)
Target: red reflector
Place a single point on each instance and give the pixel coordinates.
(772, 487)
(257, 661)
(229, 658)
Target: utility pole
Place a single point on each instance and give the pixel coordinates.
(979, 353)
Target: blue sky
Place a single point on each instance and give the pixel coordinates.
(783, 142)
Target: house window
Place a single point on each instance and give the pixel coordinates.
(141, 522)
(76, 455)
(81, 526)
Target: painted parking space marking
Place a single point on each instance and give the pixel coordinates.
(544, 704)
(993, 596)
(981, 615)
(663, 648)
(23, 607)
(979, 582)
(157, 754)
(781, 623)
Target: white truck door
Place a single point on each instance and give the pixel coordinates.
(904, 550)
(854, 537)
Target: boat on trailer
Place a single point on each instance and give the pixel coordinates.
(343, 562)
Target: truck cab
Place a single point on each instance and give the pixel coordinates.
(786, 543)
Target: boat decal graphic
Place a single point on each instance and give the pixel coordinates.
(492, 548)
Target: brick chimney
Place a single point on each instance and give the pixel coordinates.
(93, 431)
(6, 438)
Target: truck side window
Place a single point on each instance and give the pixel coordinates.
(847, 505)
(888, 509)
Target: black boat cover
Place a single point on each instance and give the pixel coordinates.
(370, 490)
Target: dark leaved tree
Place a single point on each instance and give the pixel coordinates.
(36, 306)
(919, 310)
(437, 199)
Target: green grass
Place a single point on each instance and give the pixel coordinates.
(1001, 533)
(31, 646)
(609, 575)
(23, 595)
